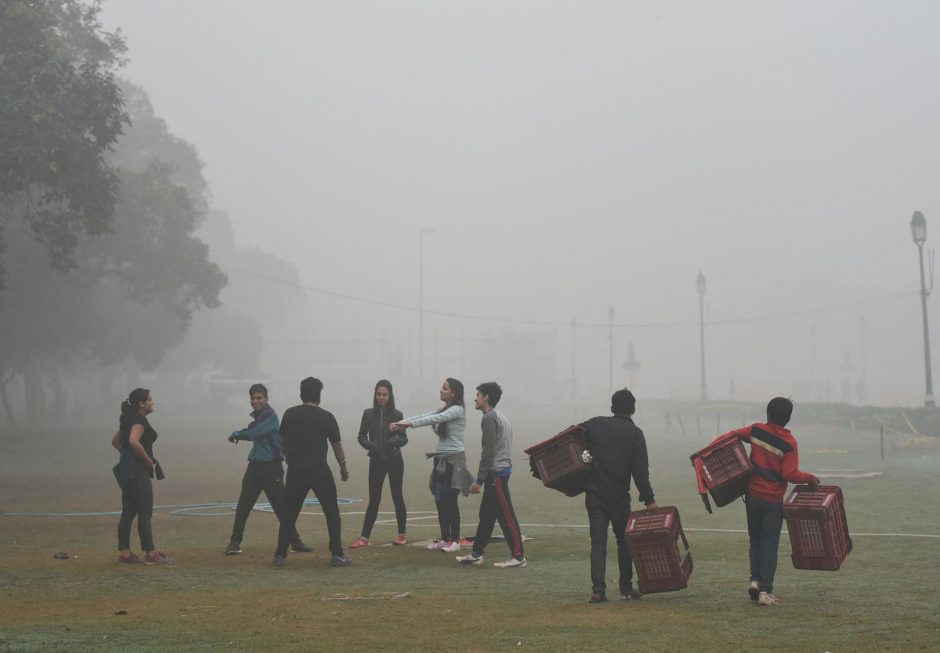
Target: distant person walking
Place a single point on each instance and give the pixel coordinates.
(134, 440)
(385, 459)
(618, 449)
(775, 461)
(449, 476)
(265, 471)
(493, 476)
(305, 431)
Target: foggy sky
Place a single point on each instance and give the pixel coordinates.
(574, 156)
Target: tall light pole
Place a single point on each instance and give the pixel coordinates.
(421, 233)
(919, 233)
(700, 288)
(610, 337)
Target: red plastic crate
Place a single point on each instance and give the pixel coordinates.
(819, 533)
(558, 463)
(726, 469)
(654, 537)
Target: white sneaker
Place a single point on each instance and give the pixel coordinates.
(512, 562)
(470, 559)
(451, 546)
(766, 598)
(437, 545)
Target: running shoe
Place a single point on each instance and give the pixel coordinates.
(630, 594)
(511, 563)
(470, 559)
(766, 598)
(234, 548)
(451, 547)
(132, 559)
(340, 561)
(400, 540)
(437, 545)
(158, 558)
(360, 542)
(465, 542)
(298, 546)
(279, 561)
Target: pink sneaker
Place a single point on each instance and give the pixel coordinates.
(400, 540)
(465, 542)
(360, 542)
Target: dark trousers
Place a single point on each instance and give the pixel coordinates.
(445, 498)
(301, 480)
(379, 468)
(258, 478)
(136, 501)
(764, 521)
(497, 506)
(601, 514)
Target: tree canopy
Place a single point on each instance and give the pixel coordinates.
(62, 111)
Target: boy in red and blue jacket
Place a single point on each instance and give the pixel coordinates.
(775, 462)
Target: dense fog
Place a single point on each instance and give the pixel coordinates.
(563, 171)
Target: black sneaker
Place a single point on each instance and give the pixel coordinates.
(630, 594)
(234, 548)
(340, 561)
(298, 546)
(279, 561)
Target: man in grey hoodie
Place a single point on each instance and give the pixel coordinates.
(493, 476)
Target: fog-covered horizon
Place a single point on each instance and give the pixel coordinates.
(570, 157)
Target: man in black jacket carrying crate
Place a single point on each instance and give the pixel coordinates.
(618, 449)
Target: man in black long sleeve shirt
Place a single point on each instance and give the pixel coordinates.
(618, 449)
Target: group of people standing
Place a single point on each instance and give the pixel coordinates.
(304, 436)
(306, 433)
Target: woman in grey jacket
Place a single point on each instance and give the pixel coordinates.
(450, 476)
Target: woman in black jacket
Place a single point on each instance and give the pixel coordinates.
(385, 459)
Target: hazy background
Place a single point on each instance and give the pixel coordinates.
(571, 157)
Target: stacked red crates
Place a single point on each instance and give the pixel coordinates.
(723, 469)
(819, 532)
(560, 461)
(654, 537)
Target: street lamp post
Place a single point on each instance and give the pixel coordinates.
(919, 234)
(700, 288)
(421, 233)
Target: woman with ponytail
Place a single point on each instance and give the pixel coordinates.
(134, 439)
(450, 475)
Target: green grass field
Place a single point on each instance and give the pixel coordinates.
(407, 598)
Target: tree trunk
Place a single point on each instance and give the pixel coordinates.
(35, 391)
(5, 401)
(59, 396)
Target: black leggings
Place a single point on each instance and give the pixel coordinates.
(136, 501)
(448, 512)
(267, 477)
(394, 468)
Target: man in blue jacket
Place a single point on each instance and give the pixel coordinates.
(265, 470)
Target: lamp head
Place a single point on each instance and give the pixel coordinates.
(918, 228)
